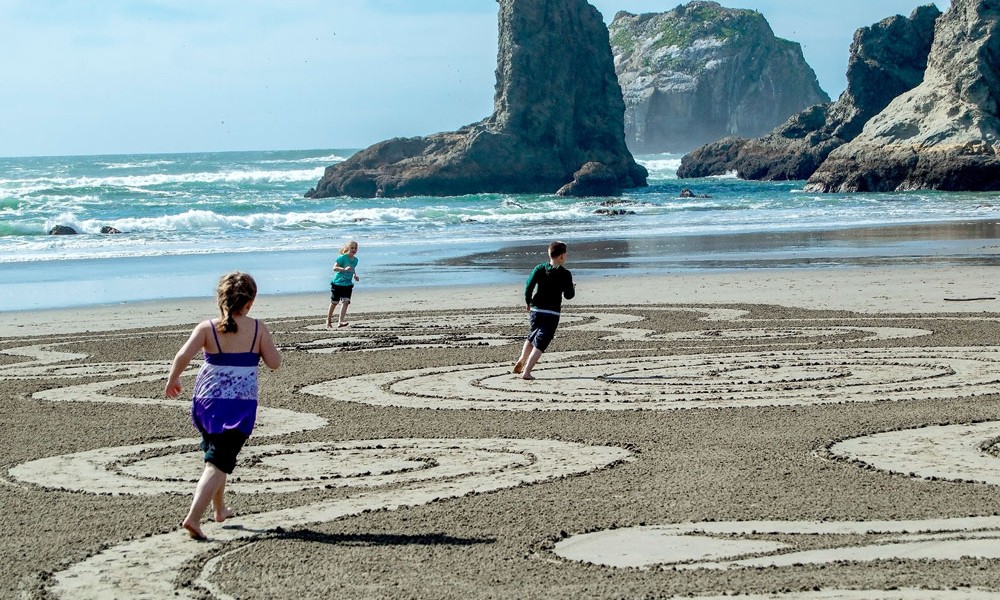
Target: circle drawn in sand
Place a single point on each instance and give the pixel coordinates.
(423, 331)
(952, 452)
(466, 320)
(725, 545)
(796, 335)
(162, 468)
(34, 371)
(776, 378)
(340, 344)
(467, 329)
(452, 468)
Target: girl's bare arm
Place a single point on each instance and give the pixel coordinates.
(183, 357)
(268, 352)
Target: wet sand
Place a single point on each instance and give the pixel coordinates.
(788, 433)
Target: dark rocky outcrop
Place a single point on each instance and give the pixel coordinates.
(593, 179)
(887, 59)
(942, 134)
(614, 212)
(62, 230)
(701, 72)
(108, 229)
(687, 193)
(557, 107)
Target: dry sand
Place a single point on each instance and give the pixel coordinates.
(771, 434)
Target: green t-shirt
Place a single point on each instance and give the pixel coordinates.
(345, 278)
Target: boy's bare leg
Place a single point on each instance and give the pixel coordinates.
(329, 314)
(519, 365)
(211, 480)
(530, 363)
(343, 313)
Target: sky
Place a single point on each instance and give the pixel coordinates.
(156, 76)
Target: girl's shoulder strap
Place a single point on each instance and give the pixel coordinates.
(215, 334)
(256, 327)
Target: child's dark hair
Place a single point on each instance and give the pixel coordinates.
(235, 291)
(557, 249)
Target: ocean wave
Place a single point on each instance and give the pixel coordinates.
(23, 187)
(201, 221)
(327, 160)
(661, 166)
(209, 216)
(49, 248)
(142, 164)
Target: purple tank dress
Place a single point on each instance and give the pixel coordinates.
(225, 390)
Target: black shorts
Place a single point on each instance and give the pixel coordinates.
(543, 329)
(221, 448)
(340, 292)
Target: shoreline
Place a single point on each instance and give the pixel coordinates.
(88, 283)
(862, 289)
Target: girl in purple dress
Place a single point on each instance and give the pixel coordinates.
(225, 391)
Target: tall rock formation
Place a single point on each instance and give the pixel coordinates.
(942, 134)
(702, 72)
(557, 108)
(886, 59)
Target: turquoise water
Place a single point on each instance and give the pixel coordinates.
(187, 217)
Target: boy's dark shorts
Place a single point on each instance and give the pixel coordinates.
(543, 329)
(340, 292)
(221, 448)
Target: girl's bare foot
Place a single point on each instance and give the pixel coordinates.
(343, 324)
(193, 530)
(518, 367)
(329, 324)
(225, 514)
(528, 377)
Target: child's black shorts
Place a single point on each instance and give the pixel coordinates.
(221, 448)
(340, 292)
(543, 329)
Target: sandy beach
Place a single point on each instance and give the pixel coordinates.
(785, 433)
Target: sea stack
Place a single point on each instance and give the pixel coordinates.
(887, 59)
(701, 71)
(557, 107)
(942, 134)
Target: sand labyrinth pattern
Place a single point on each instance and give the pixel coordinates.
(569, 382)
(947, 452)
(385, 333)
(394, 473)
(387, 474)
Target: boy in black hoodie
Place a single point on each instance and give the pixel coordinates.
(553, 282)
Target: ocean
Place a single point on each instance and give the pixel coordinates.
(185, 219)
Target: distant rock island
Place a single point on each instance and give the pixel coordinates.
(557, 123)
(944, 134)
(701, 72)
(886, 60)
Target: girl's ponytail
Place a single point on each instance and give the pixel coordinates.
(235, 291)
(228, 323)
